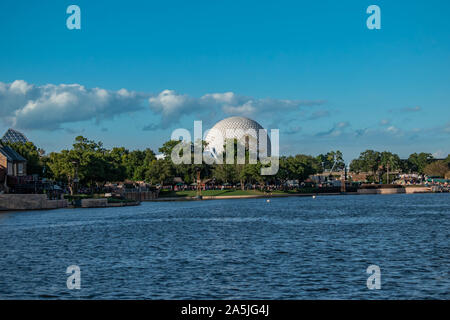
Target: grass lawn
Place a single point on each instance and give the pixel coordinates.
(285, 192)
(237, 192)
(193, 193)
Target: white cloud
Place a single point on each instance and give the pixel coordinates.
(171, 105)
(446, 128)
(412, 109)
(28, 106)
(168, 102)
(392, 129)
(50, 106)
(227, 97)
(439, 154)
(337, 130)
(292, 130)
(342, 124)
(246, 109)
(319, 114)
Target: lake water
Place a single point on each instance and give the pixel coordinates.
(290, 248)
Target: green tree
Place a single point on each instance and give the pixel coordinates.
(167, 148)
(137, 163)
(283, 173)
(368, 161)
(447, 160)
(87, 161)
(225, 173)
(32, 154)
(437, 168)
(238, 172)
(160, 171)
(300, 167)
(418, 161)
(333, 160)
(117, 159)
(62, 167)
(389, 162)
(357, 166)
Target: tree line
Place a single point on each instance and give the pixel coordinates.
(379, 163)
(90, 164)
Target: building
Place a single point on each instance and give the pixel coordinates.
(244, 130)
(11, 163)
(13, 136)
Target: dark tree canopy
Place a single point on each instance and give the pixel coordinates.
(92, 165)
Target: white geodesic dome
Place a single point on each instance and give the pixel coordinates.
(243, 129)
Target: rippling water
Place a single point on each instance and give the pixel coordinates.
(290, 248)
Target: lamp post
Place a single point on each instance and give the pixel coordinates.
(198, 183)
(344, 179)
(75, 178)
(387, 172)
(389, 161)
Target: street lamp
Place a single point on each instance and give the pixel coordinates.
(198, 183)
(75, 178)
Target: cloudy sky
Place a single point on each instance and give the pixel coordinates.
(138, 70)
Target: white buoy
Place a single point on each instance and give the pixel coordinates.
(314, 197)
(268, 200)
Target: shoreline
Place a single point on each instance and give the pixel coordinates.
(255, 196)
(102, 203)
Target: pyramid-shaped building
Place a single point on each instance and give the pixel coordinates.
(13, 136)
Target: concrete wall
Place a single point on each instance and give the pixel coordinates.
(123, 204)
(417, 189)
(381, 191)
(94, 203)
(29, 202)
(405, 189)
(140, 195)
(103, 202)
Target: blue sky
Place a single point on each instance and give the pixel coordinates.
(139, 69)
